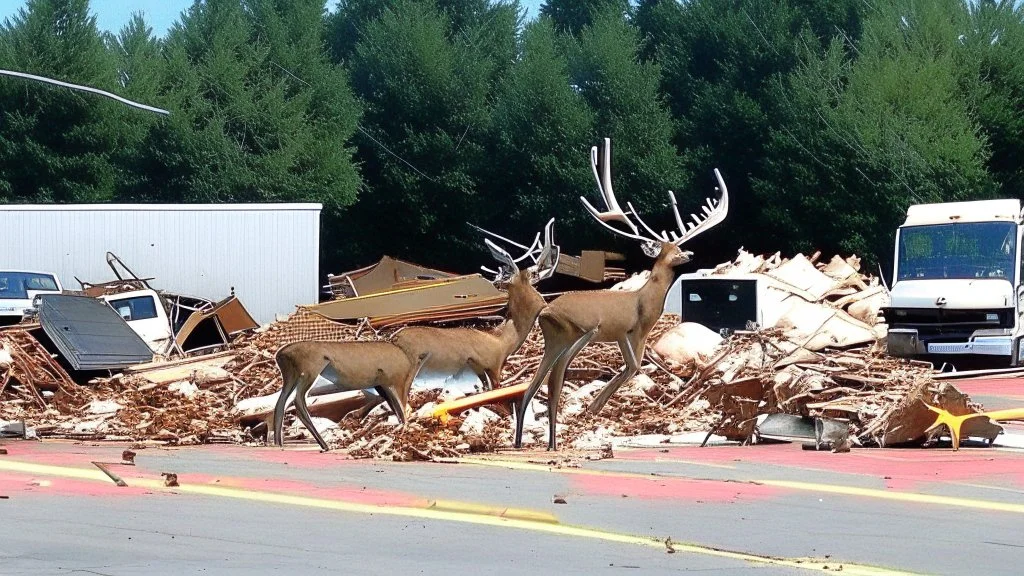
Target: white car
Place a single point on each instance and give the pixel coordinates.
(19, 287)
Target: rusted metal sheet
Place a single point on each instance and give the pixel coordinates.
(233, 316)
(452, 294)
(387, 275)
(591, 265)
(227, 317)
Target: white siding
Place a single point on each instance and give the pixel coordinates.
(269, 253)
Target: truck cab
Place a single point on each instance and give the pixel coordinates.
(956, 291)
(144, 312)
(17, 290)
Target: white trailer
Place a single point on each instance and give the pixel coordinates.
(268, 254)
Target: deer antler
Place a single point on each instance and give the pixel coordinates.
(544, 257)
(713, 213)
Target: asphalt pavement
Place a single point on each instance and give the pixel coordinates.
(773, 509)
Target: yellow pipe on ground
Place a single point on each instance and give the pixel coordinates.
(443, 410)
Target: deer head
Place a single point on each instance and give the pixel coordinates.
(544, 256)
(713, 213)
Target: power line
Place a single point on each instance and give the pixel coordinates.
(85, 89)
(367, 134)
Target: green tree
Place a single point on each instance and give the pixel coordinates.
(346, 25)
(720, 60)
(140, 71)
(864, 138)
(541, 135)
(259, 113)
(427, 118)
(573, 15)
(55, 142)
(995, 39)
(623, 94)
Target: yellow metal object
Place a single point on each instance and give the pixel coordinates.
(443, 410)
(955, 423)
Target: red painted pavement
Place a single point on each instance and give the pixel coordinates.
(69, 455)
(901, 469)
(660, 488)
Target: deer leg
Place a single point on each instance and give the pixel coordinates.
(550, 357)
(398, 401)
(292, 382)
(481, 373)
(632, 367)
(303, 413)
(555, 381)
(393, 402)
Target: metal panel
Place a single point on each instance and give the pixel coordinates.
(269, 253)
(90, 334)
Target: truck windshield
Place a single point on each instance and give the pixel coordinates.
(16, 285)
(957, 251)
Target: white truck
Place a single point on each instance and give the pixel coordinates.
(17, 290)
(957, 291)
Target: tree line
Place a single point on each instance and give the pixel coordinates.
(409, 118)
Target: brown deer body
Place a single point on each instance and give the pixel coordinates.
(484, 352)
(381, 366)
(575, 319)
(391, 367)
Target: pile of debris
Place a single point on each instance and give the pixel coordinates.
(640, 407)
(817, 356)
(28, 371)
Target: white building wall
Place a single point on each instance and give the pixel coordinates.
(269, 253)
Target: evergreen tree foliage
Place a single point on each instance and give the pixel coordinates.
(542, 134)
(408, 118)
(628, 108)
(573, 16)
(55, 143)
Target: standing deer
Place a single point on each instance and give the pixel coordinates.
(575, 319)
(485, 352)
(359, 365)
(391, 367)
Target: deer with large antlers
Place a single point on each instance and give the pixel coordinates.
(575, 319)
(391, 367)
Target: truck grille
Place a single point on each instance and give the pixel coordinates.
(941, 321)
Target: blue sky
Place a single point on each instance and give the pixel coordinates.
(160, 14)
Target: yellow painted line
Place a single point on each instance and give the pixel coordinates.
(455, 516)
(484, 510)
(988, 487)
(915, 497)
(532, 467)
(695, 463)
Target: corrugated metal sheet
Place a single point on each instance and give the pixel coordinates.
(269, 253)
(90, 334)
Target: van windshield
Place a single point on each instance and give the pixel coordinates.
(16, 285)
(957, 251)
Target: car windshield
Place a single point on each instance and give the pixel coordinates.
(136, 308)
(957, 251)
(16, 285)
